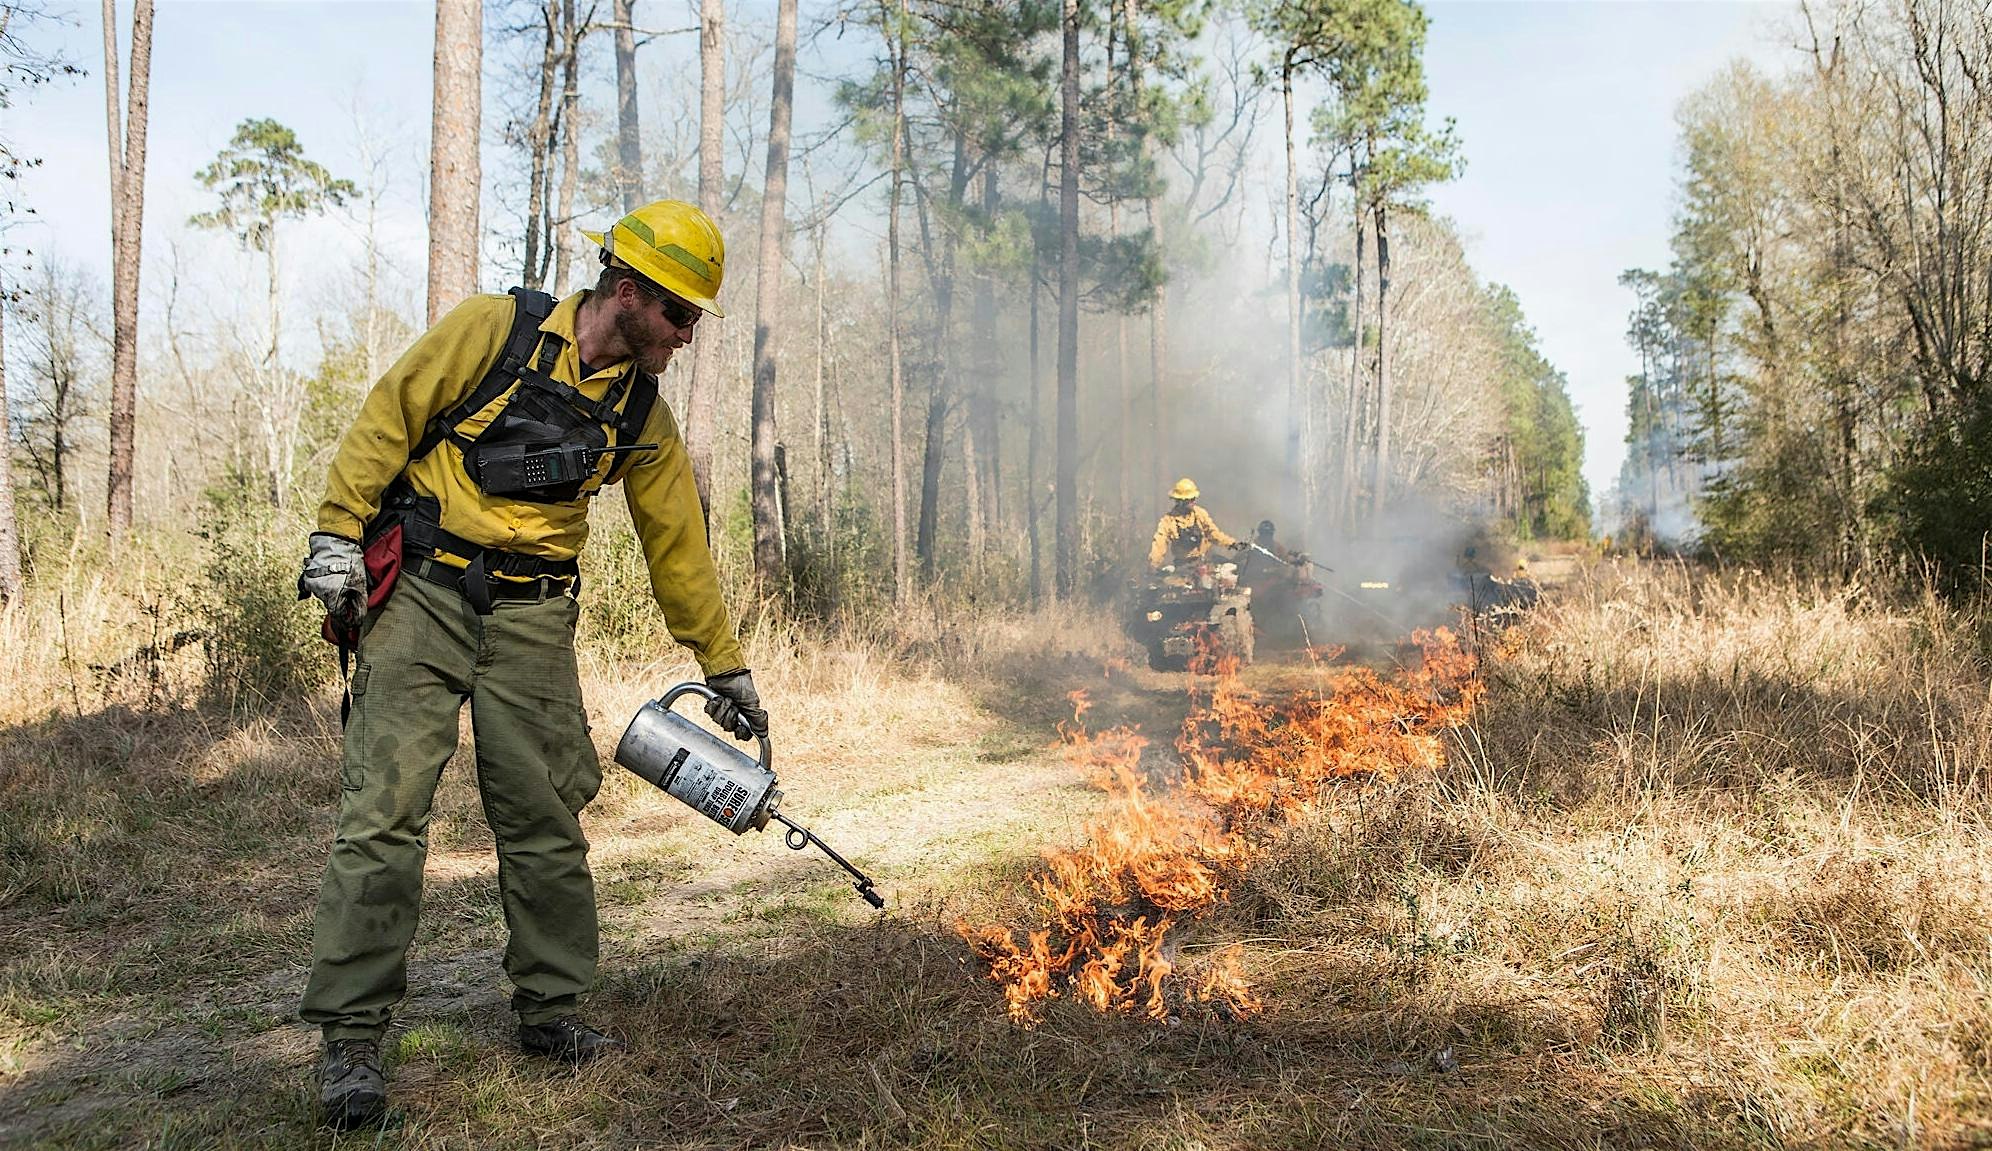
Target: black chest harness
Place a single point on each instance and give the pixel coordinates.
(543, 446)
(1188, 540)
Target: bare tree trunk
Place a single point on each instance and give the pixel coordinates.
(1293, 409)
(1124, 473)
(1066, 572)
(770, 563)
(273, 391)
(1034, 439)
(570, 149)
(1353, 411)
(375, 162)
(629, 140)
(127, 155)
(1158, 368)
(273, 286)
(971, 460)
(940, 390)
(10, 535)
(1158, 348)
(900, 585)
(1380, 491)
(539, 145)
(826, 509)
(455, 171)
(926, 525)
(979, 428)
(1124, 529)
(701, 401)
(1842, 383)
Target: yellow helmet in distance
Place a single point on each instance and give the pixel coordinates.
(673, 245)
(1185, 489)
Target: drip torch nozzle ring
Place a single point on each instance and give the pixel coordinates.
(799, 837)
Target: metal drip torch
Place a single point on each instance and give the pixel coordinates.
(715, 779)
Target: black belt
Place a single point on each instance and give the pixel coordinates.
(459, 580)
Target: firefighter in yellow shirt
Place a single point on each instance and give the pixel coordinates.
(1186, 531)
(464, 484)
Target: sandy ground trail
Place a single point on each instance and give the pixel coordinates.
(955, 805)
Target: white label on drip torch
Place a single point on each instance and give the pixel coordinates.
(708, 792)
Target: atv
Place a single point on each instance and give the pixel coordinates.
(1199, 612)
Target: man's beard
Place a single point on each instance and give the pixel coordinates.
(646, 343)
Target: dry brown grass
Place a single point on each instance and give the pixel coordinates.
(1723, 837)
(1708, 870)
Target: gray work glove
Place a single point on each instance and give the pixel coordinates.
(335, 574)
(738, 708)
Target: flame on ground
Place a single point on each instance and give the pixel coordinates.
(1160, 854)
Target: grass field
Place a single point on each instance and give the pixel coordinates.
(1706, 868)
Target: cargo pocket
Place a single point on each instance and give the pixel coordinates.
(578, 785)
(352, 771)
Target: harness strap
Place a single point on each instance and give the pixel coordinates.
(477, 584)
(500, 562)
(518, 364)
(423, 536)
(345, 683)
(602, 411)
(530, 309)
(635, 414)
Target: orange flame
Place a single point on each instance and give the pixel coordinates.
(1157, 858)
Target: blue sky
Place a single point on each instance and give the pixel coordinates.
(1565, 108)
(1566, 113)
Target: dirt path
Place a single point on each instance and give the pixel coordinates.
(931, 814)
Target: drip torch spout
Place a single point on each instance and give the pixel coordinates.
(1296, 563)
(799, 837)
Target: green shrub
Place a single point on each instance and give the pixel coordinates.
(262, 645)
(618, 611)
(1938, 499)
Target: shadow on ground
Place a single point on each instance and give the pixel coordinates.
(888, 1035)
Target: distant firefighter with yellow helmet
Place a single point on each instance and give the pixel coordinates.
(445, 556)
(1186, 531)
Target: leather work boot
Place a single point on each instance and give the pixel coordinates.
(566, 1039)
(351, 1090)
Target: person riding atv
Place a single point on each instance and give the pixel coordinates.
(1277, 577)
(1191, 608)
(1265, 540)
(1186, 531)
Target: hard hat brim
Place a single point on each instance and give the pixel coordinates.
(703, 303)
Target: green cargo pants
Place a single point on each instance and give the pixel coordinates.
(423, 654)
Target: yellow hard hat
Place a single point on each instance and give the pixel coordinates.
(1185, 489)
(673, 245)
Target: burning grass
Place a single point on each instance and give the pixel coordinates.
(1167, 849)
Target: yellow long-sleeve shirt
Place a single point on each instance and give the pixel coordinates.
(1188, 536)
(436, 373)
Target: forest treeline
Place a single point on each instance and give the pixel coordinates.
(1000, 271)
(1816, 382)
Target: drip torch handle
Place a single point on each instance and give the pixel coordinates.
(799, 837)
(699, 689)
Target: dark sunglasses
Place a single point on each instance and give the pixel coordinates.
(680, 313)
